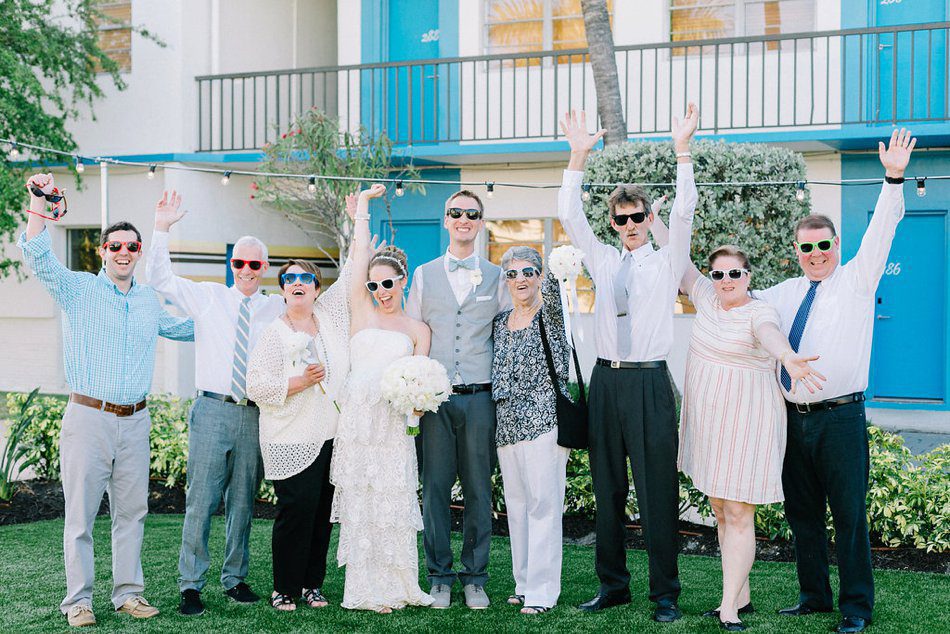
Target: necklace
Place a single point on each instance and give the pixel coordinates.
(290, 322)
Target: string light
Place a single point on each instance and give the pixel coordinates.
(151, 171)
(490, 185)
(399, 190)
(312, 184)
(14, 150)
(80, 168)
(921, 187)
(585, 193)
(226, 178)
(800, 191)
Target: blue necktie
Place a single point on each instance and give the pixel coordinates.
(241, 337)
(798, 328)
(468, 263)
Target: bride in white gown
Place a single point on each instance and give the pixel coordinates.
(374, 461)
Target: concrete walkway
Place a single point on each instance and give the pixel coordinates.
(922, 430)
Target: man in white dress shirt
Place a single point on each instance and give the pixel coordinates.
(632, 410)
(829, 311)
(224, 457)
(458, 295)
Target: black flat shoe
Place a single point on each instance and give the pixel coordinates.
(801, 610)
(746, 609)
(191, 604)
(242, 593)
(666, 613)
(852, 624)
(602, 602)
(732, 626)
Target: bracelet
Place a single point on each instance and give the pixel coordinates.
(684, 155)
(899, 180)
(360, 217)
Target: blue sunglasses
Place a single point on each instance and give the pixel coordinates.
(305, 278)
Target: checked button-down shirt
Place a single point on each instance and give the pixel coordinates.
(108, 336)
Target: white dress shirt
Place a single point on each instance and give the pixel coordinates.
(841, 323)
(461, 282)
(654, 277)
(214, 307)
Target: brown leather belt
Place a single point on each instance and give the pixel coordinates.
(112, 408)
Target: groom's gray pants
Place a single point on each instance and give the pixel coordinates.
(458, 440)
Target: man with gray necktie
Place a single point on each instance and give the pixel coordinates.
(632, 410)
(224, 458)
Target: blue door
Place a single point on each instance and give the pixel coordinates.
(414, 90)
(910, 328)
(913, 61)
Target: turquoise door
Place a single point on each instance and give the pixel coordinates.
(913, 61)
(910, 329)
(414, 90)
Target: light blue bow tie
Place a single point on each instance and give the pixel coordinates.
(468, 263)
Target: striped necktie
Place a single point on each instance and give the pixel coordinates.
(242, 335)
(798, 328)
(622, 302)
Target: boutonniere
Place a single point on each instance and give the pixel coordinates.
(475, 277)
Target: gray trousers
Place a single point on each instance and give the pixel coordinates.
(101, 452)
(224, 460)
(458, 440)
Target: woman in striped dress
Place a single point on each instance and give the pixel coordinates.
(732, 428)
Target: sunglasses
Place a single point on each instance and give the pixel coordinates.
(637, 217)
(305, 278)
(255, 265)
(115, 246)
(821, 245)
(456, 212)
(528, 272)
(388, 284)
(54, 197)
(717, 276)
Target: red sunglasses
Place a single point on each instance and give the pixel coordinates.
(115, 246)
(255, 265)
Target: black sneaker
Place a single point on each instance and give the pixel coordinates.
(191, 604)
(242, 593)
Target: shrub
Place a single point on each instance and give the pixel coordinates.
(14, 456)
(41, 437)
(758, 219)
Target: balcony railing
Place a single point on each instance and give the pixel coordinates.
(806, 80)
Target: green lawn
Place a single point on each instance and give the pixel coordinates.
(32, 583)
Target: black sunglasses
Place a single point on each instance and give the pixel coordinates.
(822, 245)
(305, 278)
(734, 274)
(53, 198)
(388, 284)
(637, 217)
(254, 265)
(528, 272)
(456, 212)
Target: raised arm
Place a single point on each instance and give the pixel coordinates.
(360, 301)
(868, 264)
(686, 197)
(184, 293)
(176, 328)
(570, 208)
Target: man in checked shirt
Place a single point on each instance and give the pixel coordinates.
(110, 324)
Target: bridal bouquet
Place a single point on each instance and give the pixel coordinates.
(416, 383)
(565, 262)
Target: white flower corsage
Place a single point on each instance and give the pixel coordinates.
(297, 348)
(475, 277)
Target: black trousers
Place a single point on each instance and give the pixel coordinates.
(632, 414)
(302, 528)
(827, 460)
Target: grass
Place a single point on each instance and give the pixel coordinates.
(32, 583)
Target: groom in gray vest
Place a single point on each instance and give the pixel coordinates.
(458, 296)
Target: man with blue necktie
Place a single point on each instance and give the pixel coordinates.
(829, 311)
(458, 296)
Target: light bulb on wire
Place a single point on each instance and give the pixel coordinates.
(226, 178)
(585, 193)
(921, 187)
(312, 184)
(151, 172)
(800, 191)
(399, 190)
(14, 150)
(80, 168)
(490, 185)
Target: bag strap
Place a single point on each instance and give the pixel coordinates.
(550, 359)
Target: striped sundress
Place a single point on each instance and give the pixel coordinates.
(732, 424)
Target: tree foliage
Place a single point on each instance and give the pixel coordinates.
(51, 72)
(759, 219)
(314, 144)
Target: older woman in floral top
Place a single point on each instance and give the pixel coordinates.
(533, 465)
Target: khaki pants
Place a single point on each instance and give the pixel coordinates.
(101, 452)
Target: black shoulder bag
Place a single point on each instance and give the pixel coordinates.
(571, 416)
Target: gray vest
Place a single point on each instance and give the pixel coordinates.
(461, 335)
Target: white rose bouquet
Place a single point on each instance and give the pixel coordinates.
(565, 262)
(415, 384)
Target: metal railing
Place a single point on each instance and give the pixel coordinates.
(829, 78)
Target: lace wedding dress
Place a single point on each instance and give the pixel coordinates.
(375, 474)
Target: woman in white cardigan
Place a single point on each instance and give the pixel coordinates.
(294, 373)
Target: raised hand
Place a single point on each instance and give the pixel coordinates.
(897, 154)
(684, 130)
(798, 369)
(167, 211)
(377, 190)
(42, 181)
(658, 204)
(575, 131)
(351, 203)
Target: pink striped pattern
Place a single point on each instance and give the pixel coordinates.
(732, 424)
